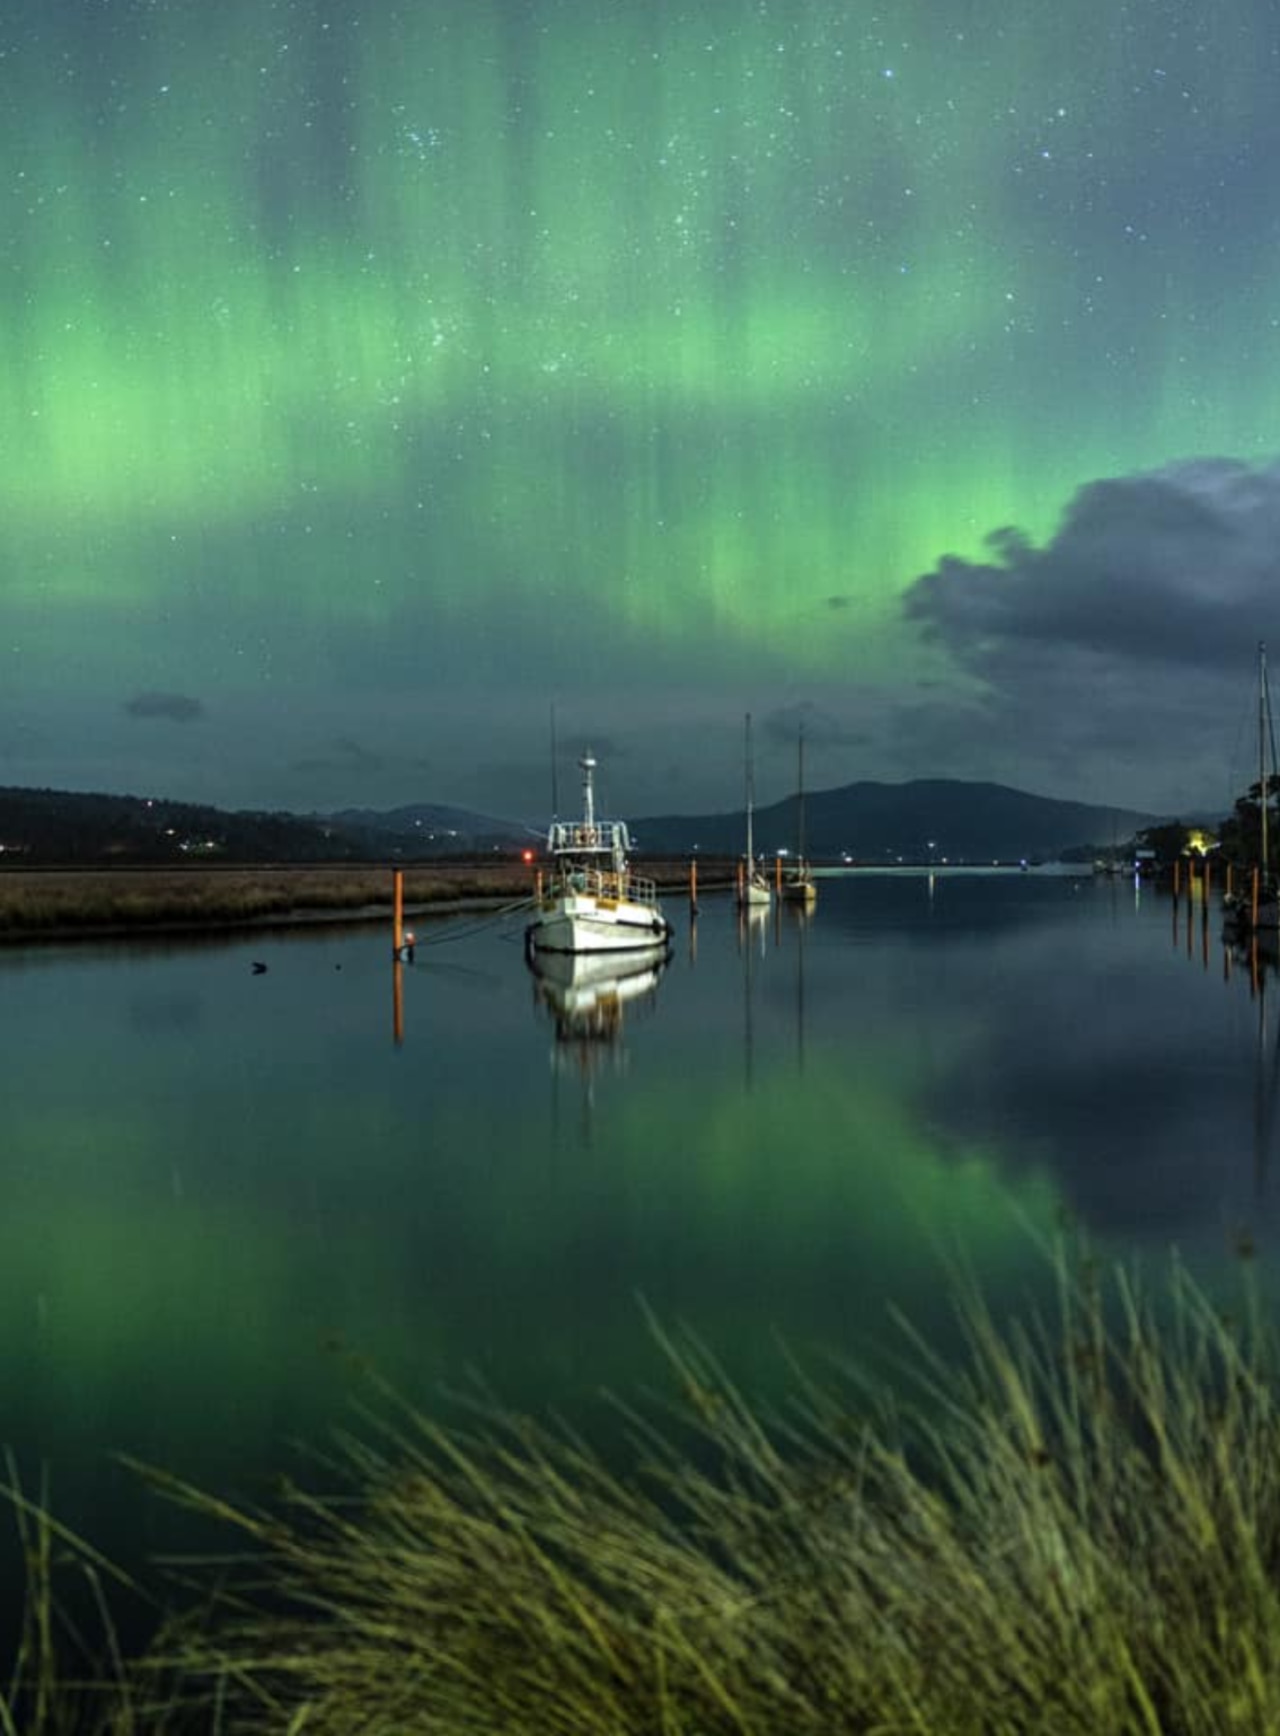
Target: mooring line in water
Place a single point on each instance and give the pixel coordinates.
(491, 921)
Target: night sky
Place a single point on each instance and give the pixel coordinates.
(375, 377)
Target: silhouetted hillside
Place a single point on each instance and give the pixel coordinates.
(41, 826)
(868, 822)
(871, 822)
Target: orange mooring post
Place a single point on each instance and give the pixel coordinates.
(1177, 876)
(777, 874)
(1208, 881)
(397, 916)
(693, 886)
(741, 881)
(1228, 880)
(537, 886)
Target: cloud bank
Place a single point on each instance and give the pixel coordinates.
(1127, 642)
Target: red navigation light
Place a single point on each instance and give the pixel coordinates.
(526, 855)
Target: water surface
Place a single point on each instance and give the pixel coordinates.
(227, 1190)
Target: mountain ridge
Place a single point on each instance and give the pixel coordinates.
(923, 819)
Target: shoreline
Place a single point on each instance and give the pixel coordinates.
(58, 904)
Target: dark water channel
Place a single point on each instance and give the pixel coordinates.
(224, 1190)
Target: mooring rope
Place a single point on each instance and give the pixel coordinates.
(490, 921)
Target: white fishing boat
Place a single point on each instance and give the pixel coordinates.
(753, 888)
(592, 902)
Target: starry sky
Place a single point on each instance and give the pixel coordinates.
(377, 378)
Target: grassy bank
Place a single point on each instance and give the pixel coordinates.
(34, 903)
(1078, 1531)
(57, 903)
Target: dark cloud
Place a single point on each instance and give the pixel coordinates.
(1125, 643)
(1179, 566)
(171, 707)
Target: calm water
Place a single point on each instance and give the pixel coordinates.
(222, 1189)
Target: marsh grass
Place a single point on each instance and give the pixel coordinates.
(32, 904)
(1073, 1528)
(57, 903)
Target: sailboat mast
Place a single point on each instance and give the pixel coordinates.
(750, 793)
(800, 795)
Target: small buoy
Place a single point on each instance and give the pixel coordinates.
(258, 967)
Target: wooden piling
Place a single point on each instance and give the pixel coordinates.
(693, 886)
(397, 915)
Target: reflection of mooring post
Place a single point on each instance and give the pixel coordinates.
(693, 886)
(397, 1000)
(1253, 902)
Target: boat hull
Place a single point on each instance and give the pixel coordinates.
(588, 925)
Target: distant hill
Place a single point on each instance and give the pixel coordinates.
(433, 826)
(872, 822)
(868, 822)
(42, 826)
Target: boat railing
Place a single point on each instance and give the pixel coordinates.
(605, 883)
(643, 890)
(570, 836)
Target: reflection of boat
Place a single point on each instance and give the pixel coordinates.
(593, 902)
(753, 888)
(1257, 907)
(797, 882)
(588, 993)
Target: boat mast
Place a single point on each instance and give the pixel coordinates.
(751, 857)
(800, 795)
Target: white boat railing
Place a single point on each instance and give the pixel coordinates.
(603, 883)
(569, 836)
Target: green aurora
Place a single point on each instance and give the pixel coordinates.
(508, 346)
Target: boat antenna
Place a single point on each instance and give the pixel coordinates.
(555, 792)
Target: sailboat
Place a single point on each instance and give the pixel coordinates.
(1257, 907)
(797, 882)
(753, 888)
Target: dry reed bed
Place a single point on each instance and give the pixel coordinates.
(58, 901)
(1074, 1533)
